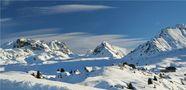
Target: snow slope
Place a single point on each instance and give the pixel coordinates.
(24, 81)
(114, 78)
(109, 77)
(106, 76)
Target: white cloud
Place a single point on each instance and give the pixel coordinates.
(33, 33)
(82, 42)
(70, 8)
(7, 23)
(2, 20)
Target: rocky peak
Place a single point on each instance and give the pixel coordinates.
(107, 50)
(59, 46)
(30, 43)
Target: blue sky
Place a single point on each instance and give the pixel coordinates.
(131, 21)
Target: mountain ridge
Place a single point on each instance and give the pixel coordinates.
(168, 39)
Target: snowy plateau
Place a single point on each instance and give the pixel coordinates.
(158, 64)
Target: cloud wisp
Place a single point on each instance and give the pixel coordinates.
(68, 8)
(81, 42)
(32, 33)
(3, 20)
(7, 22)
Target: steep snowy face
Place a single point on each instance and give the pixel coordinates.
(172, 38)
(59, 46)
(107, 50)
(169, 39)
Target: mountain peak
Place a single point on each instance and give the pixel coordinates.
(30, 43)
(182, 26)
(169, 38)
(59, 46)
(107, 50)
(104, 43)
(179, 28)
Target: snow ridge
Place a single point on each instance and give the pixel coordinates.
(170, 38)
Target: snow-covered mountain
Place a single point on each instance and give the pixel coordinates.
(170, 38)
(38, 45)
(59, 46)
(34, 64)
(33, 51)
(26, 43)
(107, 50)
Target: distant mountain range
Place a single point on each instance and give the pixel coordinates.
(29, 50)
(158, 64)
